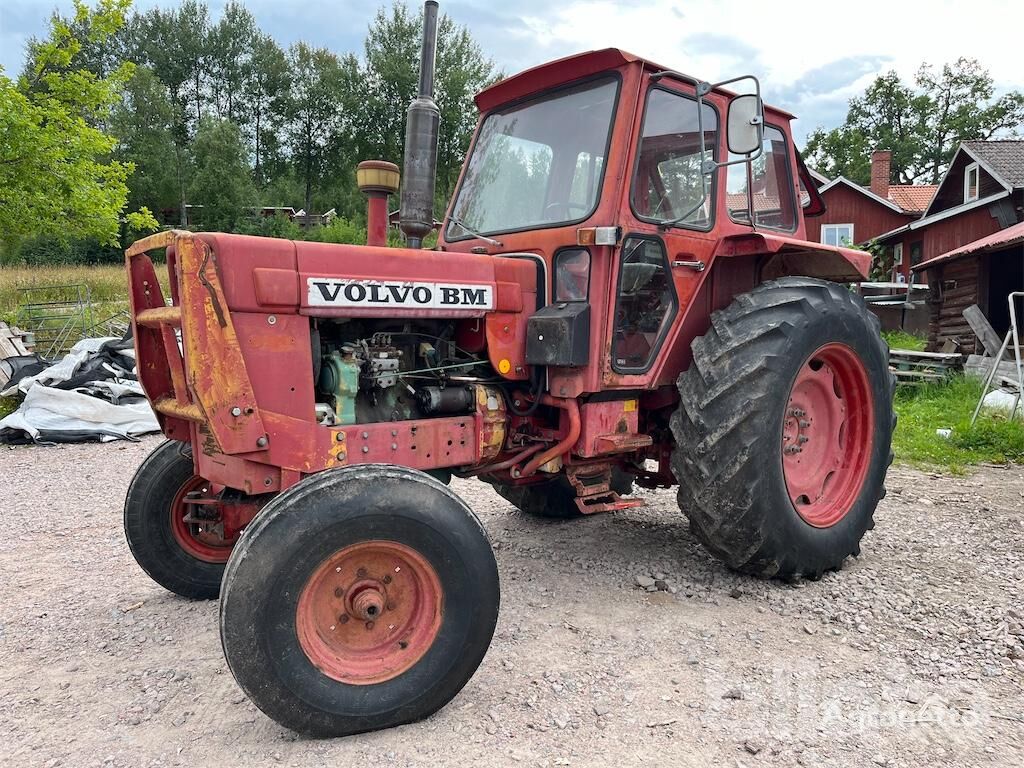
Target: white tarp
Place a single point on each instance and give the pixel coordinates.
(66, 411)
(91, 393)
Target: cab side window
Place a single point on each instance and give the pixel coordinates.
(645, 306)
(768, 179)
(668, 182)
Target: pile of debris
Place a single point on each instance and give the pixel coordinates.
(1000, 367)
(92, 393)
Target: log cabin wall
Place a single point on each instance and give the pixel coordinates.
(952, 287)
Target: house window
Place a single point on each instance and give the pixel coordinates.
(971, 183)
(916, 253)
(837, 234)
(897, 255)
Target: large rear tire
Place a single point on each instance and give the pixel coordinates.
(361, 598)
(556, 498)
(174, 554)
(784, 429)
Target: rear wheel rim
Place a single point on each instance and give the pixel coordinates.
(195, 539)
(827, 435)
(369, 612)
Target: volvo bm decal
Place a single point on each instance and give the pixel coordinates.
(331, 292)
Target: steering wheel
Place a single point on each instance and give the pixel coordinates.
(569, 206)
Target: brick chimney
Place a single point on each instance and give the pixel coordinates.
(881, 161)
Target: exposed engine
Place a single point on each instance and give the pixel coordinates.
(373, 371)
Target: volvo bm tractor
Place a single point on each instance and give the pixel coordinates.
(621, 294)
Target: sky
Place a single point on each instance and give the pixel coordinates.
(810, 58)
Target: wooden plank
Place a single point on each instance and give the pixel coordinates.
(918, 375)
(983, 329)
(913, 353)
(979, 366)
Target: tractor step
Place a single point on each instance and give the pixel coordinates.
(594, 492)
(605, 502)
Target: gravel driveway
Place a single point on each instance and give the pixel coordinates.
(911, 656)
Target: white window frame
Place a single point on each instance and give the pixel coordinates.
(897, 255)
(968, 197)
(829, 227)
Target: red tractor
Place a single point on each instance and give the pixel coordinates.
(621, 293)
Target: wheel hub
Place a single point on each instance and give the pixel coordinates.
(827, 435)
(369, 612)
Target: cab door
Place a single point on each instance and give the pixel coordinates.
(668, 217)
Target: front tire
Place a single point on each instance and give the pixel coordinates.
(784, 429)
(361, 598)
(167, 549)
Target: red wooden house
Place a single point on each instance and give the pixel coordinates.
(967, 246)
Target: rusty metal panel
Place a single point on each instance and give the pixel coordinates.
(602, 422)
(216, 370)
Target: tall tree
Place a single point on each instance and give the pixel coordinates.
(266, 94)
(922, 124)
(56, 174)
(230, 59)
(144, 123)
(221, 183)
(315, 111)
(391, 78)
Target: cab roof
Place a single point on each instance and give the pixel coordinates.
(566, 70)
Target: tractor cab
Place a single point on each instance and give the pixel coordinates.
(626, 180)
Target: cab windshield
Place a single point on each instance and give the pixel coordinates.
(537, 164)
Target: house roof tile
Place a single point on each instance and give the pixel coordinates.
(912, 198)
(1004, 156)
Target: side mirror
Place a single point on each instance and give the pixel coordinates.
(745, 124)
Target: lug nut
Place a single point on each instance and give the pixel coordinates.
(236, 411)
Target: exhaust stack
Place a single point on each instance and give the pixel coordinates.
(421, 131)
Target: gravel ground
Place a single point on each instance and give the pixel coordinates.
(912, 655)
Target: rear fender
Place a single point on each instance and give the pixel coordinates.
(784, 256)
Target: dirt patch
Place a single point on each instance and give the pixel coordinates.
(912, 655)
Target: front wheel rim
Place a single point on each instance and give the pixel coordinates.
(369, 612)
(199, 540)
(827, 435)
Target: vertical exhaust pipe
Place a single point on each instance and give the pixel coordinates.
(421, 131)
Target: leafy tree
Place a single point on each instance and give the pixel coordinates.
(391, 79)
(221, 182)
(923, 124)
(266, 91)
(231, 59)
(314, 110)
(144, 123)
(56, 174)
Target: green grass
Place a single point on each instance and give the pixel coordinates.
(993, 439)
(904, 340)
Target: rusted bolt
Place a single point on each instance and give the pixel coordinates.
(343, 618)
(361, 573)
(390, 606)
(268, 481)
(338, 591)
(387, 579)
(366, 449)
(236, 411)
(369, 625)
(262, 442)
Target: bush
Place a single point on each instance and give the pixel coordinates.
(50, 251)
